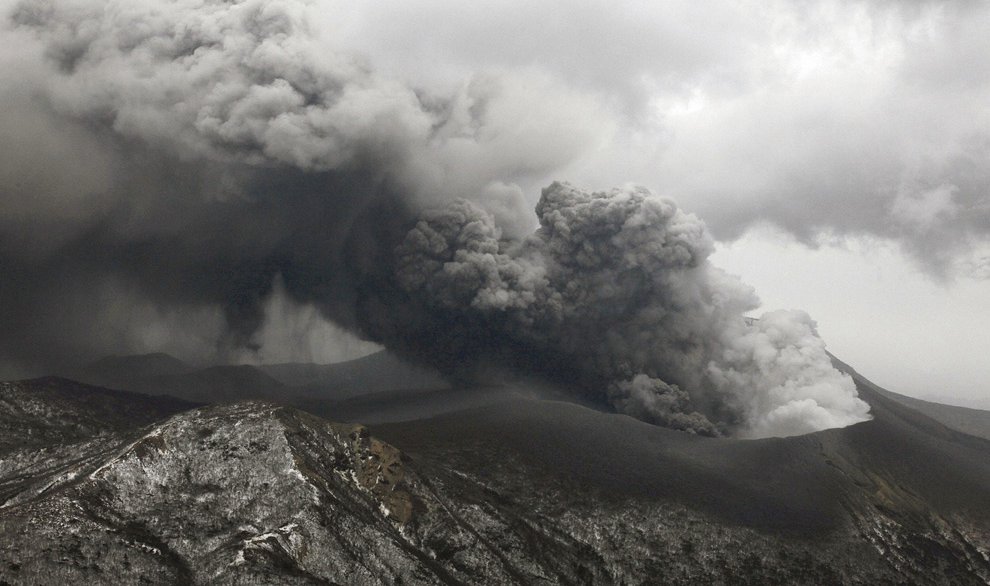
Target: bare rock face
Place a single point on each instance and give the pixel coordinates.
(251, 493)
(222, 495)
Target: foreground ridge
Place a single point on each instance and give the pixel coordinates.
(525, 491)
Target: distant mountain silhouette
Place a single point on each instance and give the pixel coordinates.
(290, 383)
(965, 419)
(216, 384)
(161, 374)
(113, 370)
(374, 373)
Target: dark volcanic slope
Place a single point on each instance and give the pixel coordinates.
(971, 421)
(903, 483)
(216, 384)
(405, 405)
(740, 481)
(113, 370)
(378, 372)
(519, 491)
(315, 384)
(800, 483)
(915, 464)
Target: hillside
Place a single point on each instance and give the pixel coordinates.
(518, 490)
(51, 410)
(119, 370)
(216, 384)
(965, 419)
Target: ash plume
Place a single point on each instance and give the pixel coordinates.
(614, 294)
(172, 158)
(177, 160)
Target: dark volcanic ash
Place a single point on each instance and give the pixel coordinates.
(177, 159)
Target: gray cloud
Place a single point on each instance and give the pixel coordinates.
(823, 119)
(851, 116)
(819, 117)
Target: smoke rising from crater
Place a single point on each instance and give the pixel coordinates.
(178, 160)
(614, 294)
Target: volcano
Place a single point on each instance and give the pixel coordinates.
(104, 486)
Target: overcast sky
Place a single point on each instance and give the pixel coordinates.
(838, 151)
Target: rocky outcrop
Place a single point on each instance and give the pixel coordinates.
(222, 495)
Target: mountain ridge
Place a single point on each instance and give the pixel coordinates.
(162, 374)
(516, 491)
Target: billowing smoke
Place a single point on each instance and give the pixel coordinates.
(172, 158)
(177, 160)
(614, 294)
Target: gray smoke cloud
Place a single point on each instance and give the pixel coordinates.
(175, 157)
(178, 164)
(614, 294)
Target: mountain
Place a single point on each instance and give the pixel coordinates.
(216, 384)
(517, 490)
(965, 419)
(50, 424)
(161, 374)
(899, 499)
(405, 405)
(374, 373)
(258, 494)
(119, 370)
(293, 383)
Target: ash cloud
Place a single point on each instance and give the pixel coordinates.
(183, 154)
(179, 164)
(614, 294)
